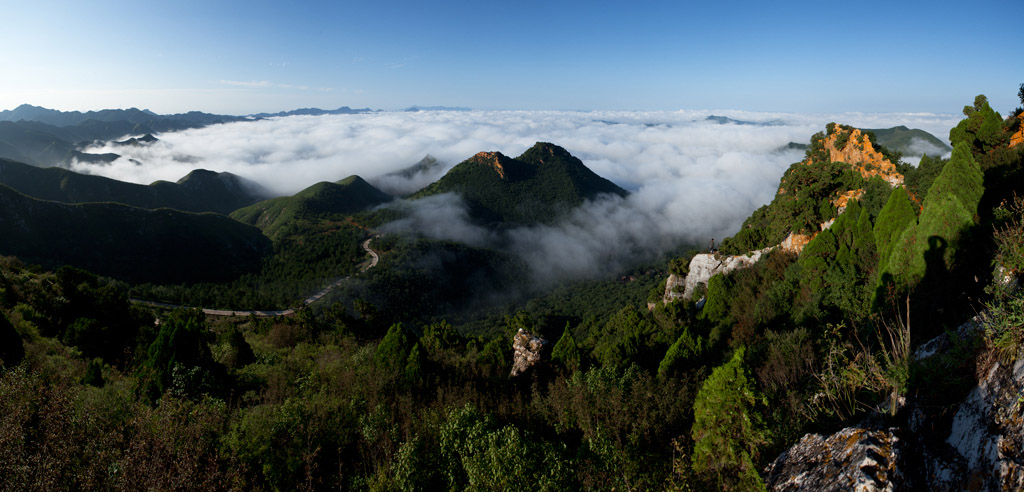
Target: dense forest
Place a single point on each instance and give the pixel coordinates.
(381, 391)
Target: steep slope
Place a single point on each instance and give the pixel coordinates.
(536, 187)
(200, 191)
(321, 200)
(128, 243)
(841, 163)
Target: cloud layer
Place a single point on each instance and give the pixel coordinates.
(690, 179)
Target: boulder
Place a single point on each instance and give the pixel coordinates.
(854, 458)
(528, 351)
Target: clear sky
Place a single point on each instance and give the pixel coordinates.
(261, 56)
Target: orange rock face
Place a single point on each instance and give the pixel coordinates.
(492, 159)
(861, 155)
(794, 243)
(1018, 138)
(843, 198)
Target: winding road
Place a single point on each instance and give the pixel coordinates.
(374, 259)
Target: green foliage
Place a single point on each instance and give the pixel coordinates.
(684, 354)
(566, 353)
(906, 140)
(305, 259)
(129, 243)
(536, 187)
(1009, 237)
(961, 177)
(981, 131)
(480, 455)
(919, 179)
(413, 371)
(630, 336)
(324, 200)
(179, 359)
(932, 244)
(895, 217)
(392, 353)
(728, 430)
(94, 373)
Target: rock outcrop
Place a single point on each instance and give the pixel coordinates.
(980, 448)
(853, 147)
(705, 266)
(852, 459)
(528, 351)
(1018, 138)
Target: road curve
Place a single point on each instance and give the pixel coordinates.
(374, 259)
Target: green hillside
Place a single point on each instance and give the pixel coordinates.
(909, 141)
(128, 243)
(322, 200)
(536, 187)
(199, 191)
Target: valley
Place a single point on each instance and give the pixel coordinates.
(513, 323)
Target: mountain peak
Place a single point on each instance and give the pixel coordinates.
(846, 144)
(493, 160)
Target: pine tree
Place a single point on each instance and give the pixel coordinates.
(897, 214)
(393, 351)
(727, 431)
(565, 352)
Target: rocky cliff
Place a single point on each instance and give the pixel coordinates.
(977, 444)
(1018, 138)
(850, 145)
(705, 266)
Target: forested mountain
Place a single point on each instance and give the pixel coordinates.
(874, 342)
(539, 186)
(199, 191)
(320, 201)
(126, 242)
(910, 141)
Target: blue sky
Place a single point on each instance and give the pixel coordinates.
(255, 56)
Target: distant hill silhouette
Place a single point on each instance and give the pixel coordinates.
(167, 122)
(536, 187)
(199, 191)
(322, 200)
(128, 243)
(911, 141)
(314, 112)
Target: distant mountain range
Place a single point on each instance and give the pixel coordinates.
(725, 120)
(199, 191)
(315, 112)
(537, 187)
(413, 109)
(906, 141)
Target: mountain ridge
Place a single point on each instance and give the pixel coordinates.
(537, 187)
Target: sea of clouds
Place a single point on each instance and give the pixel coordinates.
(690, 179)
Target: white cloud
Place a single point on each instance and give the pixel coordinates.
(690, 179)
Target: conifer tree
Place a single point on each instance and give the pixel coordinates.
(727, 431)
(565, 352)
(393, 351)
